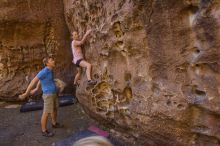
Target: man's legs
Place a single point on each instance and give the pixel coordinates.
(44, 130)
(54, 113)
(47, 109)
(54, 117)
(77, 77)
(54, 120)
(44, 121)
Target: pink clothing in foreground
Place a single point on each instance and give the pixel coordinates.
(77, 53)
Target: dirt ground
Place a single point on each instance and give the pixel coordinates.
(23, 129)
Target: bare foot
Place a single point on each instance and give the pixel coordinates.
(22, 96)
(77, 83)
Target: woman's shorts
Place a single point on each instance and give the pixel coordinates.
(78, 62)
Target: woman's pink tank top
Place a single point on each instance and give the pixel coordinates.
(77, 53)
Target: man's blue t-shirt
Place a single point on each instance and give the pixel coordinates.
(47, 81)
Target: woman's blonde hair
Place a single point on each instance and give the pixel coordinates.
(93, 141)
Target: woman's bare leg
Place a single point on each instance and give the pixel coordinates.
(88, 67)
(77, 77)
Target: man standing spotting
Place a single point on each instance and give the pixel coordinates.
(46, 79)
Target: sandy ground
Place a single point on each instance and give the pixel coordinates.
(23, 129)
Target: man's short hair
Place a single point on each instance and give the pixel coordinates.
(45, 60)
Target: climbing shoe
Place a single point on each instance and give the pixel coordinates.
(57, 125)
(47, 133)
(92, 82)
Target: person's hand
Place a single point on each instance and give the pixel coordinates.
(33, 91)
(22, 96)
(88, 31)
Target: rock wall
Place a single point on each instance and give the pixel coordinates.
(157, 67)
(29, 30)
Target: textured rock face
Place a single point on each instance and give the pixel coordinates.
(157, 67)
(29, 30)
